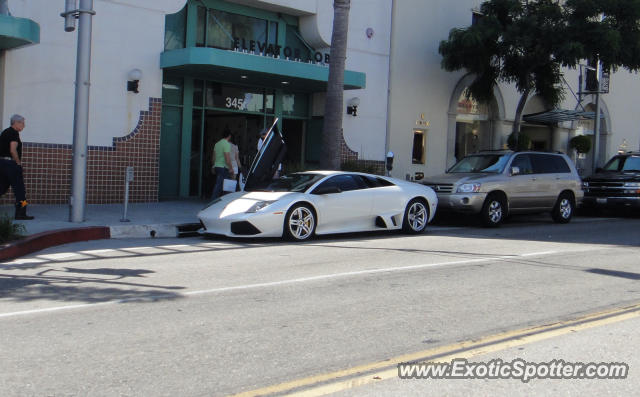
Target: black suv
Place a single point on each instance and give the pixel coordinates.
(616, 185)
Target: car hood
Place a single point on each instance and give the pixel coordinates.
(457, 178)
(614, 177)
(241, 201)
(267, 160)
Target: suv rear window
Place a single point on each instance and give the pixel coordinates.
(549, 164)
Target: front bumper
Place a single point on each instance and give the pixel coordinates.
(611, 202)
(461, 202)
(258, 224)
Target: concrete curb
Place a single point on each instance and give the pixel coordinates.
(144, 231)
(40, 241)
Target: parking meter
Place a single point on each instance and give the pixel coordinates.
(389, 162)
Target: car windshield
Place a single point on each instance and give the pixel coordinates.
(298, 182)
(623, 163)
(486, 163)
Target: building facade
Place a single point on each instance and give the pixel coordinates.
(206, 66)
(432, 123)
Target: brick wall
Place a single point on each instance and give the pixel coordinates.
(47, 167)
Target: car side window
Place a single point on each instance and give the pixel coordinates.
(549, 164)
(344, 182)
(523, 162)
(561, 165)
(370, 181)
(373, 181)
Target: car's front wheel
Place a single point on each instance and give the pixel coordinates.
(299, 223)
(416, 217)
(493, 211)
(563, 210)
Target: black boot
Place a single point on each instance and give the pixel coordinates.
(21, 211)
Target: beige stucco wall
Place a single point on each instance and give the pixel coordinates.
(418, 86)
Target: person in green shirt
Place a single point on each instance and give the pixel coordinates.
(222, 163)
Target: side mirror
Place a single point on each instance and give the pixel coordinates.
(327, 189)
(515, 171)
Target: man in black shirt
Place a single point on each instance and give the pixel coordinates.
(11, 165)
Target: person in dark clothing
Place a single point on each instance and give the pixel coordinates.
(11, 165)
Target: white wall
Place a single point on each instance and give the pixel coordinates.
(40, 78)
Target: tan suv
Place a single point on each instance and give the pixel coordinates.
(497, 183)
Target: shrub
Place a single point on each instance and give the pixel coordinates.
(524, 142)
(581, 143)
(9, 230)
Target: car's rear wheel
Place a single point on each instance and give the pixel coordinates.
(416, 217)
(299, 223)
(493, 211)
(563, 210)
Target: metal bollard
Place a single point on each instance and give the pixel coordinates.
(128, 177)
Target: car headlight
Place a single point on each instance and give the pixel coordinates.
(585, 184)
(258, 206)
(632, 184)
(469, 188)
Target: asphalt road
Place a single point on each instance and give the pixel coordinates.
(195, 317)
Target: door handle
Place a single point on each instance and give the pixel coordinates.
(534, 179)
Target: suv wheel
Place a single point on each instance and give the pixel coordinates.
(563, 210)
(494, 211)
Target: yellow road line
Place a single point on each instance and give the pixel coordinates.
(323, 384)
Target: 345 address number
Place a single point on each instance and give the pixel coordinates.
(234, 103)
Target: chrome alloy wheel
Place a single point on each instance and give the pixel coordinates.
(301, 223)
(495, 211)
(417, 216)
(565, 208)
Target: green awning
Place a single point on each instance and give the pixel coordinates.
(243, 68)
(17, 32)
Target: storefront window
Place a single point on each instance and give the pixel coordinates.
(200, 31)
(228, 31)
(419, 141)
(212, 94)
(172, 88)
(296, 48)
(175, 30)
(196, 153)
(468, 105)
(295, 104)
(198, 86)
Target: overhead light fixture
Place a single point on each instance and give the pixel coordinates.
(352, 106)
(134, 78)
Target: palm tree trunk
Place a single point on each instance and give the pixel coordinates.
(333, 109)
(517, 122)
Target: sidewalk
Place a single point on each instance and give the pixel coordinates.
(51, 225)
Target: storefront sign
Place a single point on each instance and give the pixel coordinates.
(421, 122)
(267, 49)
